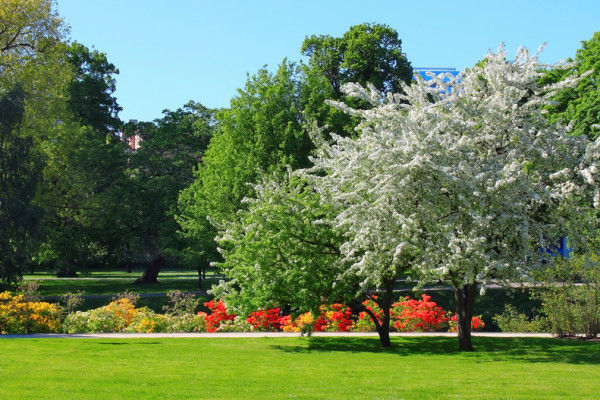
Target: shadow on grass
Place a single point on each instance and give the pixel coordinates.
(486, 349)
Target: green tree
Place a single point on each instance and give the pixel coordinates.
(91, 89)
(262, 131)
(171, 148)
(580, 104)
(19, 172)
(365, 54)
(84, 192)
(278, 253)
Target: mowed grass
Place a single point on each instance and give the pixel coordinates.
(57, 287)
(297, 368)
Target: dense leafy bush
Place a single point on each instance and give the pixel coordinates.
(20, 316)
(570, 295)
(511, 320)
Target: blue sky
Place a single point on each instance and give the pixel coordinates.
(169, 52)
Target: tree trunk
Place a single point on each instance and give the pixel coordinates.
(465, 299)
(200, 276)
(151, 273)
(383, 328)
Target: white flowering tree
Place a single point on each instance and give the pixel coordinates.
(462, 181)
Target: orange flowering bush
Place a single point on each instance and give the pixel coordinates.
(20, 316)
(114, 317)
(304, 323)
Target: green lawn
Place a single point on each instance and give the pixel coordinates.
(56, 287)
(297, 368)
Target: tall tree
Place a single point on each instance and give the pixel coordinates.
(84, 189)
(579, 105)
(365, 54)
(261, 132)
(19, 173)
(171, 148)
(91, 89)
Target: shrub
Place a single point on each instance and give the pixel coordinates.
(410, 315)
(406, 315)
(218, 314)
(570, 295)
(265, 320)
(147, 321)
(114, 317)
(237, 324)
(71, 301)
(20, 316)
(513, 321)
(303, 323)
(476, 323)
(181, 303)
(185, 323)
(334, 318)
(77, 322)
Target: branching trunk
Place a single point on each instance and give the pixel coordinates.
(465, 299)
(383, 327)
(151, 273)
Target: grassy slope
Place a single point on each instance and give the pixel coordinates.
(300, 368)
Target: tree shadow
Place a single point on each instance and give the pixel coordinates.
(486, 349)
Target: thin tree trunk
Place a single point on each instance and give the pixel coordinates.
(200, 276)
(151, 273)
(465, 299)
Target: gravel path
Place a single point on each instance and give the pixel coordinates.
(262, 335)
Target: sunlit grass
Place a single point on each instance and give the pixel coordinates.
(301, 368)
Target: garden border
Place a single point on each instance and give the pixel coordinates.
(262, 335)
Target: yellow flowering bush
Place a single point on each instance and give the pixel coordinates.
(114, 317)
(20, 316)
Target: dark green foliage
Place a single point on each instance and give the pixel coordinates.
(171, 148)
(85, 195)
(19, 173)
(91, 89)
(366, 53)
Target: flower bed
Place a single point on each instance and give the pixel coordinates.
(121, 315)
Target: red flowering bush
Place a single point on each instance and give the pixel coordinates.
(334, 318)
(217, 315)
(476, 323)
(407, 315)
(266, 320)
(364, 323)
(411, 315)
